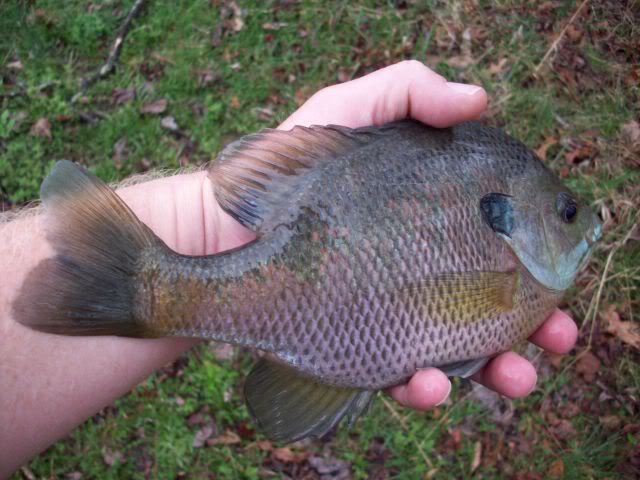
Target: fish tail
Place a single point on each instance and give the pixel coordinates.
(87, 287)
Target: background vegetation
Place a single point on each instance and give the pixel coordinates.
(562, 76)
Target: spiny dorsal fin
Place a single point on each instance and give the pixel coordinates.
(257, 176)
(289, 407)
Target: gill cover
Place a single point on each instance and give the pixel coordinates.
(551, 252)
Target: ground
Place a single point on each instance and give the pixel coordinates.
(563, 76)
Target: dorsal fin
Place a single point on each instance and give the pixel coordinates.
(257, 175)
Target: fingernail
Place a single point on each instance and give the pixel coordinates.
(464, 88)
(444, 399)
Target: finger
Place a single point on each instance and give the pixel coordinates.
(508, 374)
(406, 89)
(426, 389)
(558, 334)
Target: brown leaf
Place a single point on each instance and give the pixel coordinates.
(154, 108)
(264, 113)
(222, 351)
(330, 466)
(120, 152)
(477, 456)
(110, 456)
(541, 151)
(628, 332)
(582, 152)
(226, 438)
(631, 130)
(498, 67)
(285, 455)
(207, 77)
(169, 123)
(264, 445)
(274, 25)
(42, 128)
(203, 435)
(17, 65)
(460, 61)
(588, 366)
(556, 469)
(122, 95)
(611, 422)
(574, 33)
(234, 102)
(564, 429)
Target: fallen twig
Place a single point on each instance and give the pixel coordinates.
(114, 53)
(554, 46)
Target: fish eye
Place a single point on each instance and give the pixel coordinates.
(567, 207)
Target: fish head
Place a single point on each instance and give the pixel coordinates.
(550, 230)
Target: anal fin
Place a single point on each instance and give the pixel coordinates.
(288, 406)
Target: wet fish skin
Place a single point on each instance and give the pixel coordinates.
(379, 251)
(345, 288)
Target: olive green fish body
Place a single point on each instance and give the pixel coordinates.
(378, 251)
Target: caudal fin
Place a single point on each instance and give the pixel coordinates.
(87, 287)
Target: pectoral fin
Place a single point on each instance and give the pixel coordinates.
(289, 407)
(463, 369)
(467, 296)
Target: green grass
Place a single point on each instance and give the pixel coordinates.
(168, 52)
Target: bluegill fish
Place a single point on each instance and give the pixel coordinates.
(379, 251)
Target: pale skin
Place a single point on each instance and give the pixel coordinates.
(50, 384)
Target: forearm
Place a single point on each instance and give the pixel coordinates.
(49, 384)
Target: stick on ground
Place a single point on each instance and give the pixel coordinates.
(114, 53)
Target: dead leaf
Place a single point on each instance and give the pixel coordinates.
(110, 456)
(42, 128)
(154, 108)
(120, 152)
(286, 455)
(330, 466)
(574, 33)
(460, 61)
(556, 469)
(263, 113)
(234, 102)
(611, 422)
(169, 123)
(234, 21)
(17, 65)
(627, 332)
(120, 96)
(498, 67)
(564, 429)
(226, 438)
(202, 436)
(477, 455)
(264, 445)
(26, 471)
(631, 130)
(541, 151)
(222, 351)
(587, 366)
(274, 25)
(207, 77)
